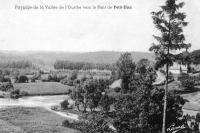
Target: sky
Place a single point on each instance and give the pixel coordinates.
(86, 30)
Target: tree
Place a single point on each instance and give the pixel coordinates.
(126, 69)
(195, 56)
(77, 96)
(142, 66)
(169, 21)
(89, 93)
(184, 58)
(23, 79)
(106, 102)
(142, 111)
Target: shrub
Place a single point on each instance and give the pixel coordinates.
(74, 75)
(64, 81)
(22, 79)
(55, 108)
(64, 104)
(24, 93)
(76, 81)
(67, 81)
(67, 123)
(6, 86)
(117, 89)
(188, 83)
(4, 79)
(15, 94)
(69, 91)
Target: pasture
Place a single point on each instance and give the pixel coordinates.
(43, 88)
(31, 120)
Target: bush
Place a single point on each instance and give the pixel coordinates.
(64, 81)
(22, 79)
(188, 83)
(76, 81)
(67, 123)
(74, 75)
(67, 81)
(117, 89)
(6, 86)
(69, 91)
(15, 94)
(64, 104)
(24, 93)
(55, 108)
(4, 79)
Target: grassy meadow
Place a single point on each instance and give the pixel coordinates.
(43, 88)
(31, 120)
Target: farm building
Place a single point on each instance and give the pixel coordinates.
(116, 84)
(177, 68)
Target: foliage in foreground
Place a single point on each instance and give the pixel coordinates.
(89, 93)
(187, 81)
(96, 124)
(139, 111)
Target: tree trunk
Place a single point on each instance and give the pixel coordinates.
(165, 100)
(180, 69)
(78, 108)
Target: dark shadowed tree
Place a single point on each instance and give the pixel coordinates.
(142, 66)
(184, 58)
(142, 110)
(169, 21)
(195, 56)
(126, 69)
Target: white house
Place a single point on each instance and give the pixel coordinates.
(177, 68)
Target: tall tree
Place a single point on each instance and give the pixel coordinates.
(142, 66)
(126, 69)
(170, 22)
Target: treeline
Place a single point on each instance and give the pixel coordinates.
(16, 64)
(195, 57)
(64, 64)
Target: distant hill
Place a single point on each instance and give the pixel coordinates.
(48, 58)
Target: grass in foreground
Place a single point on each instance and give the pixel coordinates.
(43, 88)
(31, 120)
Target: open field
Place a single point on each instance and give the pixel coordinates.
(43, 88)
(31, 120)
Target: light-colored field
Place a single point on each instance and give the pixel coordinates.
(43, 88)
(31, 120)
(45, 102)
(192, 107)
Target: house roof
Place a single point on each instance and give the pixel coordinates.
(116, 83)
